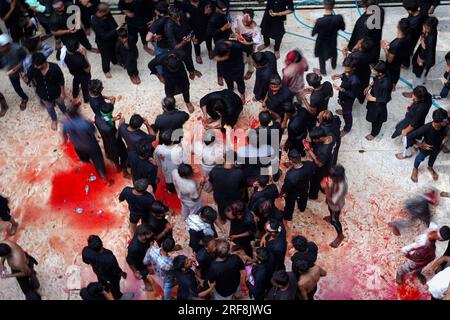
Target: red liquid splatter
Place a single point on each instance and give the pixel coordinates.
(69, 150)
(254, 124)
(169, 200)
(408, 291)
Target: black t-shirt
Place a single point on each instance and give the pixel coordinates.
(204, 260)
(156, 225)
(310, 255)
(269, 193)
(319, 98)
(246, 224)
(227, 183)
(104, 263)
(399, 48)
(85, 295)
(76, 63)
(275, 101)
(142, 169)
(277, 251)
(136, 252)
(137, 204)
(297, 179)
(170, 120)
(324, 152)
(266, 133)
(430, 136)
(289, 294)
(226, 274)
(157, 28)
(132, 137)
(187, 285)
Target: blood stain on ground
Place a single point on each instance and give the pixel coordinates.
(169, 200)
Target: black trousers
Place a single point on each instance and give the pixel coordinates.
(188, 58)
(95, 155)
(15, 81)
(314, 187)
(376, 127)
(131, 67)
(335, 220)
(135, 32)
(347, 114)
(240, 84)
(107, 54)
(300, 198)
(323, 64)
(197, 47)
(30, 283)
(80, 35)
(277, 44)
(336, 151)
(83, 82)
(112, 285)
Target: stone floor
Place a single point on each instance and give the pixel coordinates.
(36, 170)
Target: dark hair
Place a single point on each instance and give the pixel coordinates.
(317, 132)
(439, 115)
(222, 248)
(274, 225)
(411, 5)
(368, 3)
(259, 58)
(447, 56)
(313, 79)
(31, 43)
(166, 137)
(263, 180)
(95, 86)
(208, 214)
(281, 278)
(327, 117)
(264, 118)
(300, 266)
(221, 4)
(349, 62)
(249, 11)
(73, 111)
(288, 106)
(136, 121)
(5, 250)
(178, 262)
(94, 288)
(72, 45)
(207, 239)
(263, 254)
(144, 149)
(337, 171)
(140, 185)
(107, 107)
(444, 232)
(122, 33)
(158, 208)
(237, 206)
(95, 243)
(380, 67)
(328, 4)
(185, 170)
(168, 244)
(275, 79)
(432, 23)
(294, 155)
(162, 7)
(142, 230)
(300, 243)
(169, 103)
(403, 25)
(367, 44)
(221, 49)
(173, 63)
(265, 207)
(38, 59)
(420, 92)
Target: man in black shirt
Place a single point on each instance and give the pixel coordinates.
(266, 65)
(277, 95)
(242, 226)
(297, 128)
(263, 190)
(157, 223)
(284, 286)
(142, 165)
(296, 184)
(415, 19)
(173, 74)
(414, 118)
(95, 291)
(275, 242)
(269, 131)
(127, 55)
(136, 253)
(49, 81)
(156, 33)
(258, 282)
(321, 153)
(205, 256)
(230, 63)
(105, 266)
(226, 272)
(320, 96)
(186, 280)
(332, 126)
(433, 134)
(79, 68)
(171, 118)
(224, 108)
(139, 202)
(104, 26)
(348, 91)
(219, 28)
(304, 250)
(132, 133)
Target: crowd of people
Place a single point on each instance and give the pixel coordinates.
(238, 243)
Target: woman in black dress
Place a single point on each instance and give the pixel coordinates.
(272, 24)
(425, 56)
(378, 96)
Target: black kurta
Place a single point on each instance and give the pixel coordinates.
(197, 18)
(327, 28)
(233, 68)
(115, 149)
(362, 70)
(232, 110)
(273, 27)
(263, 75)
(415, 30)
(381, 90)
(215, 23)
(427, 54)
(399, 48)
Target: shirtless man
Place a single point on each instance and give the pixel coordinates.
(6, 216)
(21, 265)
(308, 278)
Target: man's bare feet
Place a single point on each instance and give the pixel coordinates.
(190, 107)
(13, 229)
(336, 242)
(407, 94)
(135, 79)
(248, 75)
(94, 50)
(220, 81)
(23, 105)
(344, 133)
(108, 75)
(3, 110)
(434, 174)
(199, 60)
(54, 125)
(394, 229)
(400, 156)
(261, 47)
(243, 98)
(150, 51)
(370, 137)
(415, 175)
(444, 194)
(192, 75)
(160, 78)
(277, 54)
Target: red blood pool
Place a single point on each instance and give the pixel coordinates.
(170, 200)
(69, 150)
(407, 291)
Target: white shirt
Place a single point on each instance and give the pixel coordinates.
(168, 159)
(186, 189)
(421, 240)
(438, 285)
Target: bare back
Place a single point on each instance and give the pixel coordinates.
(17, 261)
(308, 281)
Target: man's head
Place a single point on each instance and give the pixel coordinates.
(262, 180)
(273, 227)
(107, 108)
(280, 279)
(275, 83)
(39, 60)
(293, 56)
(181, 263)
(72, 45)
(314, 80)
(294, 156)
(411, 6)
(221, 51)
(337, 172)
(103, 10)
(325, 117)
(237, 209)
(95, 243)
(259, 59)
(166, 137)
(419, 93)
(222, 248)
(439, 117)
(161, 8)
(122, 34)
(58, 6)
(248, 16)
(144, 149)
(143, 232)
(158, 209)
(140, 185)
(367, 44)
(95, 288)
(379, 69)
(264, 118)
(403, 26)
(349, 65)
(300, 266)
(367, 3)
(208, 214)
(174, 13)
(262, 254)
(168, 104)
(185, 171)
(265, 207)
(317, 134)
(430, 25)
(210, 244)
(328, 4)
(136, 121)
(5, 43)
(300, 243)
(221, 7)
(5, 250)
(95, 87)
(168, 245)
(444, 233)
